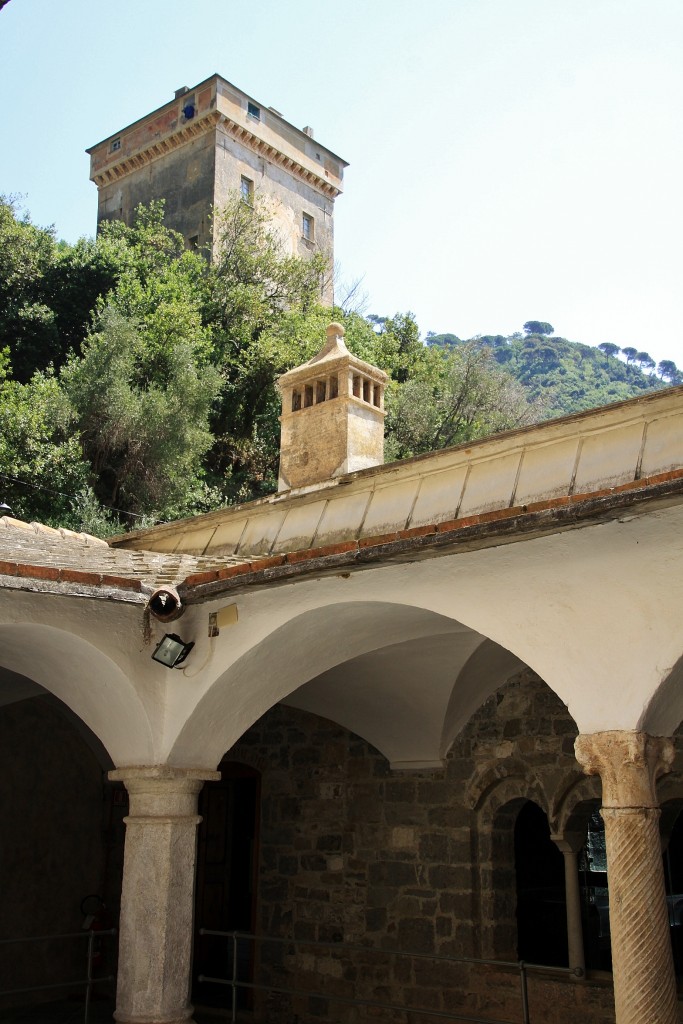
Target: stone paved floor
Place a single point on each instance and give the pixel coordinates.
(71, 1011)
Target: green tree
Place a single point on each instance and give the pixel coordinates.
(667, 369)
(630, 353)
(609, 348)
(48, 290)
(645, 361)
(41, 462)
(263, 309)
(538, 327)
(142, 419)
(442, 340)
(462, 395)
(397, 348)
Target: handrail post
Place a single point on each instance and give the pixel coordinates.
(525, 993)
(234, 977)
(88, 986)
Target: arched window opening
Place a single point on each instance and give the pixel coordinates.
(541, 904)
(498, 930)
(595, 896)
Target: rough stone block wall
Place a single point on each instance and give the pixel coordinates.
(405, 862)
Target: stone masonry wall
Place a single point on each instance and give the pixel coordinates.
(409, 862)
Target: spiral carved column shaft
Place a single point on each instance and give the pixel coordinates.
(629, 764)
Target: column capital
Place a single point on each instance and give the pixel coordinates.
(568, 842)
(162, 791)
(628, 763)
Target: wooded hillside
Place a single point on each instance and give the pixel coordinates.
(568, 375)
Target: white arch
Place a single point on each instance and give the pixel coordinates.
(348, 645)
(87, 681)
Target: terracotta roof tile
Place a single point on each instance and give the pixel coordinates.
(32, 551)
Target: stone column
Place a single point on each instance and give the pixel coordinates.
(629, 764)
(155, 930)
(569, 843)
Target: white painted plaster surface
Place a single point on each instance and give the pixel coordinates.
(663, 444)
(609, 459)
(595, 611)
(438, 496)
(487, 488)
(389, 506)
(546, 472)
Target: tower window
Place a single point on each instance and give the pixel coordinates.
(115, 145)
(307, 227)
(253, 111)
(188, 107)
(247, 190)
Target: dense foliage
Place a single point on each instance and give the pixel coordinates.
(568, 376)
(137, 379)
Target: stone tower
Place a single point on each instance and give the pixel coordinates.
(209, 142)
(332, 416)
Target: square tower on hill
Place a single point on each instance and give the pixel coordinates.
(209, 142)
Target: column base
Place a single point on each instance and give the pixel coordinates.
(126, 1018)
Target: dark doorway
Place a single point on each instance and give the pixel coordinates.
(541, 904)
(673, 877)
(226, 881)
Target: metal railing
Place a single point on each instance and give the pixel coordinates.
(235, 983)
(87, 982)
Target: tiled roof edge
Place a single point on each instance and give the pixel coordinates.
(520, 518)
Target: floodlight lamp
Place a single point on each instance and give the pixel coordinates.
(171, 651)
(5, 510)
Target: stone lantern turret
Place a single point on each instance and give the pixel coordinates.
(332, 415)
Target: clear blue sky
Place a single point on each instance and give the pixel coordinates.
(510, 159)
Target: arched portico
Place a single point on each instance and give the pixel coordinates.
(395, 601)
(562, 604)
(347, 661)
